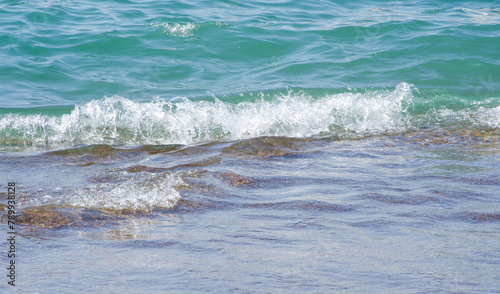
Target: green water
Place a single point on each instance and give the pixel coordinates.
(67, 52)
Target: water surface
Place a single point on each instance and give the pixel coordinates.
(252, 147)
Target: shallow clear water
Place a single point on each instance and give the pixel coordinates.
(251, 147)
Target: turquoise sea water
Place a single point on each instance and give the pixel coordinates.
(257, 146)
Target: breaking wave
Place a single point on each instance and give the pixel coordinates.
(120, 121)
(117, 120)
(143, 192)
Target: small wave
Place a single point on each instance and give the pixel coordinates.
(187, 29)
(481, 117)
(127, 193)
(483, 16)
(117, 120)
(141, 194)
(489, 117)
(179, 30)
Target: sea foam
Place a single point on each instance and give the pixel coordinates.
(117, 120)
(144, 193)
(179, 30)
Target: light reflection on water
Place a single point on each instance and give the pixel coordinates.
(373, 215)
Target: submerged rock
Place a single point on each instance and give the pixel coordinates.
(48, 216)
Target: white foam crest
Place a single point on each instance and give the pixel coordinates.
(489, 117)
(179, 30)
(294, 116)
(141, 194)
(481, 116)
(116, 120)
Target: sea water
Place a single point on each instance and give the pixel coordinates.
(250, 147)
